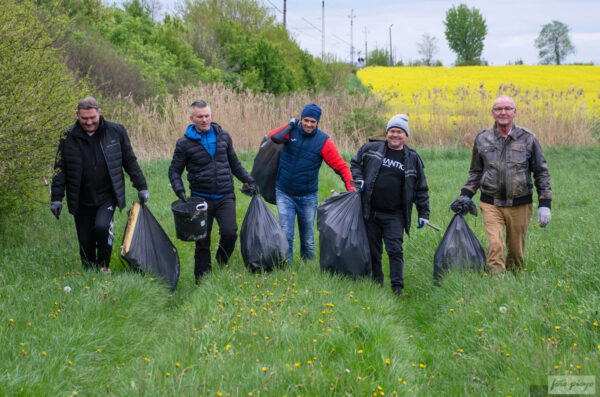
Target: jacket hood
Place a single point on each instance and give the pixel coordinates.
(191, 132)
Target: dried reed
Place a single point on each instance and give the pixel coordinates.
(155, 126)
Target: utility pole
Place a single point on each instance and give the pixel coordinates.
(366, 53)
(391, 58)
(352, 16)
(323, 31)
(284, 12)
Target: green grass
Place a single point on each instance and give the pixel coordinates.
(298, 331)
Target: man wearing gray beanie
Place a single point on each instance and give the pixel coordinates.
(394, 180)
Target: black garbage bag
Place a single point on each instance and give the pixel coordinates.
(343, 243)
(263, 242)
(147, 248)
(459, 249)
(264, 169)
(463, 206)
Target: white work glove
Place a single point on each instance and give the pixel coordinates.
(422, 222)
(544, 216)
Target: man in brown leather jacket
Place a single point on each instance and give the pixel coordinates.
(504, 157)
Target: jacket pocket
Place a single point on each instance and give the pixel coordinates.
(518, 155)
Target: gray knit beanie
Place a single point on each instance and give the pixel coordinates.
(398, 121)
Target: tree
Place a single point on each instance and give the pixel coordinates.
(465, 31)
(378, 57)
(38, 97)
(427, 47)
(554, 43)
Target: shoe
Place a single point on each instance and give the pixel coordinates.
(105, 270)
(398, 292)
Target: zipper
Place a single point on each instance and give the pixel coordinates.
(503, 173)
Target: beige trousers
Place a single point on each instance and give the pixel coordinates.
(515, 220)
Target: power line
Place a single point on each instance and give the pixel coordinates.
(274, 6)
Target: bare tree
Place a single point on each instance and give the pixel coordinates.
(427, 47)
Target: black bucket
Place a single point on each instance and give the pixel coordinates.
(190, 218)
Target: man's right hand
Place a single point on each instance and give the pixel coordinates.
(56, 208)
(181, 195)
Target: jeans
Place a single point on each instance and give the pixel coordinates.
(94, 232)
(306, 208)
(390, 228)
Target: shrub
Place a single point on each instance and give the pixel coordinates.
(38, 98)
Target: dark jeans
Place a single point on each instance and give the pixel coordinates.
(223, 210)
(94, 232)
(390, 228)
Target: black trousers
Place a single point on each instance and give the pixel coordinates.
(390, 228)
(94, 231)
(223, 210)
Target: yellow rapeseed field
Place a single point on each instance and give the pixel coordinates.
(447, 106)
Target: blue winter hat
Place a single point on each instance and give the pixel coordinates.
(398, 121)
(311, 110)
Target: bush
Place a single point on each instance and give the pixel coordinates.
(38, 98)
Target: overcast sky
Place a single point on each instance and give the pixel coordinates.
(513, 25)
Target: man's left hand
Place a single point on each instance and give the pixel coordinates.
(250, 188)
(422, 222)
(544, 216)
(143, 195)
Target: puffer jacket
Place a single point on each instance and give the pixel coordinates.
(207, 175)
(501, 169)
(118, 153)
(365, 165)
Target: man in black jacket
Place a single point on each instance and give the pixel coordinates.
(206, 150)
(394, 179)
(89, 164)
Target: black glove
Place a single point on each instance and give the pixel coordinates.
(143, 195)
(56, 208)
(463, 206)
(250, 189)
(181, 195)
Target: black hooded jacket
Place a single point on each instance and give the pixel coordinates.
(206, 174)
(117, 152)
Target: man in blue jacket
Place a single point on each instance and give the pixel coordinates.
(394, 180)
(297, 185)
(206, 150)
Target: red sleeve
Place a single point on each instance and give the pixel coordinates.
(276, 130)
(333, 159)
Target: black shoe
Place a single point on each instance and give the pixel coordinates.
(398, 292)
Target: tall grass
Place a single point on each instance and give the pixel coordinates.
(155, 125)
(298, 331)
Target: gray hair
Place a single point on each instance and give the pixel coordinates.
(88, 103)
(504, 97)
(201, 104)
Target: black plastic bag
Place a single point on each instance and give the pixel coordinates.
(263, 242)
(459, 249)
(147, 248)
(264, 169)
(343, 243)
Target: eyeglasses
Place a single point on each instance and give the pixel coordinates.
(506, 109)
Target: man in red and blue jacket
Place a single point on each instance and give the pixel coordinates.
(305, 148)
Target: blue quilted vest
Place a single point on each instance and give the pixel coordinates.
(300, 161)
